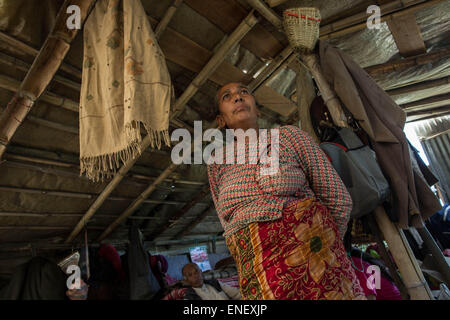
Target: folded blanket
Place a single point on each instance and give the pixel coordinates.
(125, 84)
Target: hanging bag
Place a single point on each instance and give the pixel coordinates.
(357, 166)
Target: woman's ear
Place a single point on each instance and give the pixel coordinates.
(220, 121)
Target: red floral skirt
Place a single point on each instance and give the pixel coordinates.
(298, 257)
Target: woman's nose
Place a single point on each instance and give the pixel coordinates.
(238, 98)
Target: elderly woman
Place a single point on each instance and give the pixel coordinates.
(284, 230)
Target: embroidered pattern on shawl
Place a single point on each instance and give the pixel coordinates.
(125, 86)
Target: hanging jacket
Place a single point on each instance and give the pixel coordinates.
(383, 120)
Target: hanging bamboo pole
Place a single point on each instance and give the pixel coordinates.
(407, 264)
(305, 96)
(329, 97)
(41, 72)
(162, 25)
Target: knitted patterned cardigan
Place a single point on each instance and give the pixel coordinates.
(242, 196)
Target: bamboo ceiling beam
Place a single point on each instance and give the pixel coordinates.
(271, 68)
(420, 5)
(435, 111)
(431, 102)
(274, 3)
(68, 161)
(214, 63)
(174, 218)
(227, 15)
(428, 114)
(180, 104)
(23, 66)
(69, 172)
(13, 85)
(44, 67)
(81, 195)
(402, 64)
(17, 44)
(194, 223)
(162, 25)
(361, 17)
(419, 86)
(267, 13)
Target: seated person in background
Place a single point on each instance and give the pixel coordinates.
(195, 288)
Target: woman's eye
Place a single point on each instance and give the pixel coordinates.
(245, 91)
(226, 96)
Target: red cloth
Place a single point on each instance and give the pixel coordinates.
(298, 257)
(108, 252)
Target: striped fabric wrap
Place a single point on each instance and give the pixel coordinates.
(242, 196)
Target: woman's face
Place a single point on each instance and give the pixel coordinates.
(237, 107)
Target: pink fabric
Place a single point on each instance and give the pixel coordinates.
(387, 291)
(362, 275)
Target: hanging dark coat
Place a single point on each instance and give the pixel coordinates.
(383, 120)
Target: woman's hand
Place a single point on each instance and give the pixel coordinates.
(78, 294)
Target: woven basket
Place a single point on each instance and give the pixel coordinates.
(302, 27)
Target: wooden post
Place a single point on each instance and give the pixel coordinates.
(41, 72)
(386, 258)
(328, 94)
(407, 264)
(305, 96)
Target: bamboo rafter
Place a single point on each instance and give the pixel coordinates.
(44, 67)
(81, 195)
(162, 25)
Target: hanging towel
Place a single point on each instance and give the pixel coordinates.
(125, 84)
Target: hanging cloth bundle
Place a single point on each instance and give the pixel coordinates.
(125, 84)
